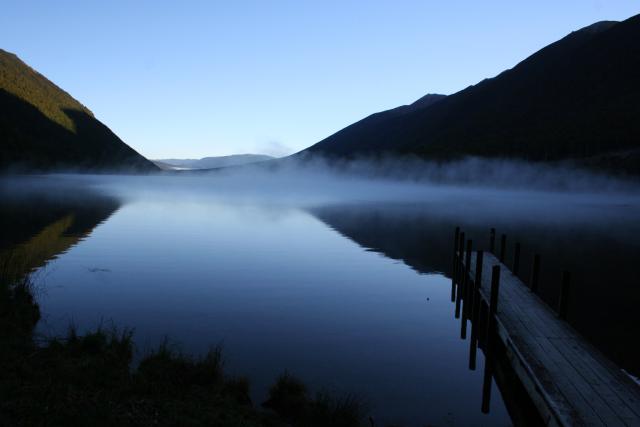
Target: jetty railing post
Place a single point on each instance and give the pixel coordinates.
(477, 284)
(461, 278)
(563, 303)
(469, 284)
(454, 270)
(516, 259)
(459, 273)
(493, 299)
(460, 260)
(535, 273)
(460, 256)
(503, 247)
(492, 240)
(491, 330)
(465, 289)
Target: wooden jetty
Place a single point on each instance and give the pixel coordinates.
(569, 381)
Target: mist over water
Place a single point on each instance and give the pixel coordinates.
(336, 272)
(315, 180)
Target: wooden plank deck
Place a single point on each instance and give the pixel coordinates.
(569, 381)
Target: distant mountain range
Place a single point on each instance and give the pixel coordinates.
(43, 128)
(211, 162)
(578, 98)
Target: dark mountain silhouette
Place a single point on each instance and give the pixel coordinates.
(576, 98)
(371, 134)
(43, 128)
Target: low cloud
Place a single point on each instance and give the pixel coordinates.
(274, 148)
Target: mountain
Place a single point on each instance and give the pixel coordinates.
(369, 134)
(576, 98)
(43, 128)
(212, 162)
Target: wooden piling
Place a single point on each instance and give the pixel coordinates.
(492, 240)
(479, 261)
(503, 247)
(477, 301)
(491, 322)
(461, 276)
(465, 289)
(535, 274)
(516, 259)
(568, 380)
(460, 258)
(456, 262)
(563, 303)
(468, 287)
(493, 302)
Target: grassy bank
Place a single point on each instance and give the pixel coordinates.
(88, 379)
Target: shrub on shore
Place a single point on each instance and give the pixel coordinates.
(88, 379)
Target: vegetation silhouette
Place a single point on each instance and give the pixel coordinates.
(89, 380)
(43, 128)
(33, 142)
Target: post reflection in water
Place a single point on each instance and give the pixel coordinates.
(285, 287)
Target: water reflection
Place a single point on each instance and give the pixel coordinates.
(282, 288)
(281, 291)
(591, 240)
(39, 223)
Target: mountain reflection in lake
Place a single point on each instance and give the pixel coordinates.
(351, 297)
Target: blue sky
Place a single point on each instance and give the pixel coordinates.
(199, 78)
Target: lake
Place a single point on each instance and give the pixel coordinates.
(344, 283)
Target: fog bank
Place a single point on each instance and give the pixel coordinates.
(315, 182)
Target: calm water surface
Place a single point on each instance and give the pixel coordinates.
(352, 296)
